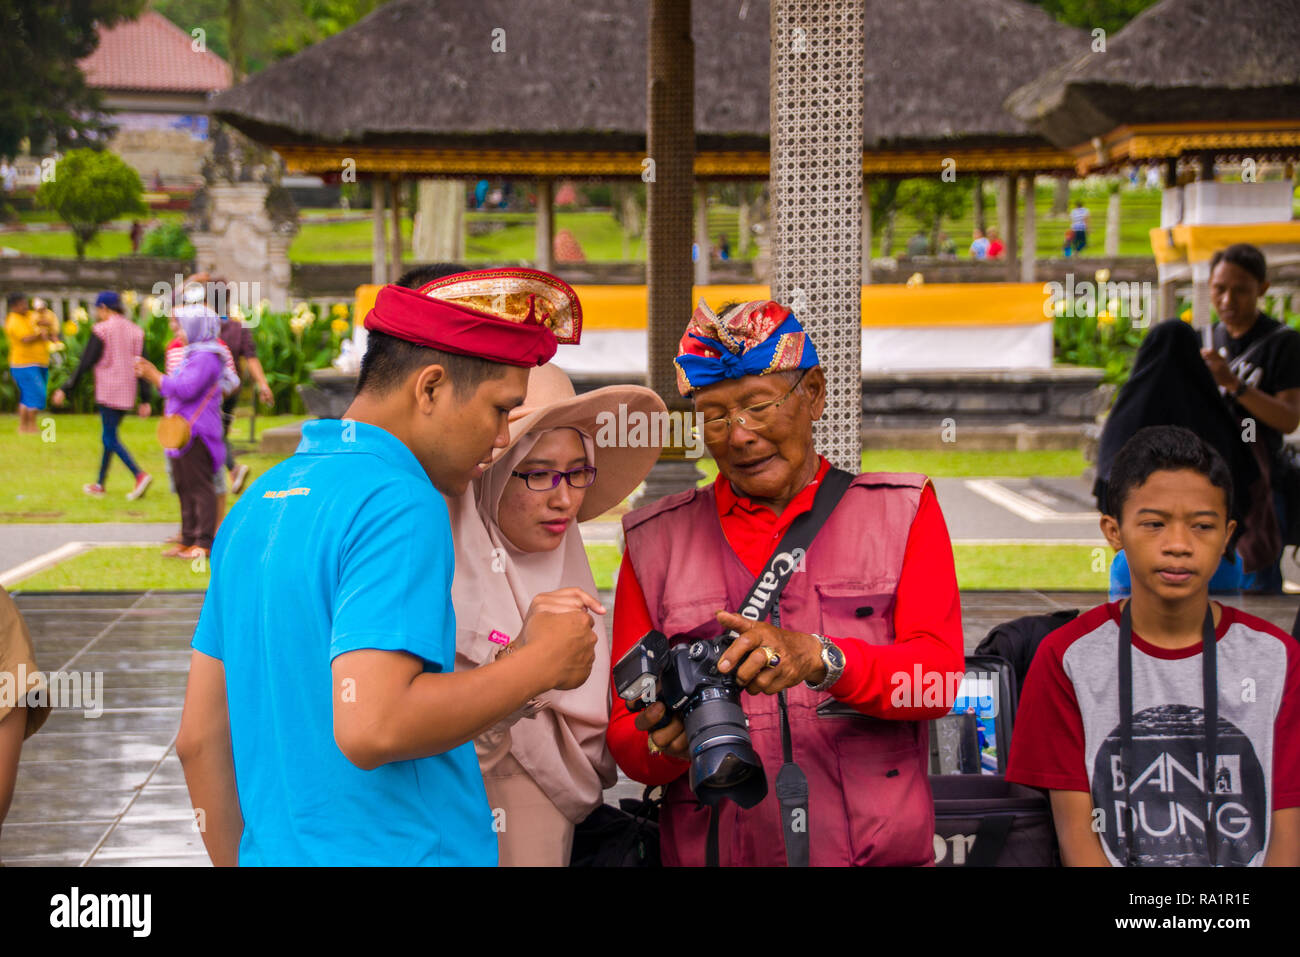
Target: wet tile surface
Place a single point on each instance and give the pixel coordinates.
(109, 790)
(106, 788)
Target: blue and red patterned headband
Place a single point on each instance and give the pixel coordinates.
(758, 338)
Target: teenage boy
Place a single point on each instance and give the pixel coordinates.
(1161, 785)
(323, 723)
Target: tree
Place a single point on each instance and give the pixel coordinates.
(1109, 15)
(252, 35)
(930, 201)
(90, 188)
(883, 197)
(44, 95)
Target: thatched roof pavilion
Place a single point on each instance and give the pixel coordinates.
(937, 73)
(1183, 77)
(418, 88)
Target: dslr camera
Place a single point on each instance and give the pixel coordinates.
(684, 676)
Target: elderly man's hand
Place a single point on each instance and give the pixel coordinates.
(670, 739)
(800, 654)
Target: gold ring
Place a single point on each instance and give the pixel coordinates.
(773, 659)
(654, 748)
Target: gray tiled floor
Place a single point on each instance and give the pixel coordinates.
(108, 791)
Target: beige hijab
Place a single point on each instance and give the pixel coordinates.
(563, 746)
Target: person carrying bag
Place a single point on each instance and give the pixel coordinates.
(191, 427)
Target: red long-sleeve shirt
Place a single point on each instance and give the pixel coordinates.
(927, 620)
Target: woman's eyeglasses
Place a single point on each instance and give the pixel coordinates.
(543, 480)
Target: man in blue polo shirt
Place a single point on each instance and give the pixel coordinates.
(323, 723)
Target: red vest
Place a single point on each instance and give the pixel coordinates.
(868, 778)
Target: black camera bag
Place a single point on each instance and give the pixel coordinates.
(983, 820)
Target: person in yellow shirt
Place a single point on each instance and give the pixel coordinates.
(29, 359)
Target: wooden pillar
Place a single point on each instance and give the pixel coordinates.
(1006, 210)
(978, 210)
(670, 179)
(1206, 166)
(1061, 195)
(1029, 254)
(544, 239)
(438, 230)
(395, 194)
(1007, 215)
(702, 233)
(1112, 224)
(378, 248)
(866, 232)
(1202, 307)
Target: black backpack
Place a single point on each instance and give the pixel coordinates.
(1018, 639)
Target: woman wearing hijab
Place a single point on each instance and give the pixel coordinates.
(516, 536)
(194, 392)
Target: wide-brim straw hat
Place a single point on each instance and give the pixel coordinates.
(551, 403)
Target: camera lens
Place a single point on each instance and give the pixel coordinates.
(723, 761)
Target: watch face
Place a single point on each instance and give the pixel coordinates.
(835, 654)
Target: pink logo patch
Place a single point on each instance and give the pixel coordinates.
(500, 637)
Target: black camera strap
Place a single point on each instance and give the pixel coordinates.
(764, 600)
(1210, 694)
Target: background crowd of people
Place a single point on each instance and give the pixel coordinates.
(200, 385)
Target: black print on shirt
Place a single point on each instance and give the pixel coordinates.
(1169, 805)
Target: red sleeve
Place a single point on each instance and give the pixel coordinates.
(628, 744)
(1286, 735)
(1047, 749)
(927, 629)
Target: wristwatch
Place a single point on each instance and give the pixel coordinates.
(833, 659)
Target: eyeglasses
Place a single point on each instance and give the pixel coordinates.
(755, 417)
(543, 480)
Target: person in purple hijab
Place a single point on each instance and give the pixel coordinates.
(194, 392)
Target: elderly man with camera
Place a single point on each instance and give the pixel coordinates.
(789, 623)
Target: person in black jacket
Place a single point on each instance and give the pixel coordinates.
(1256, 364)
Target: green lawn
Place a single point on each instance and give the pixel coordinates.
(119, 568)
(41, 475)
(600, 235)
(1042, 567)
(136, 568)
(597, 233)
(979, 567)
(113, 242)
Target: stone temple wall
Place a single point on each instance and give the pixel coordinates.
(242, 244)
